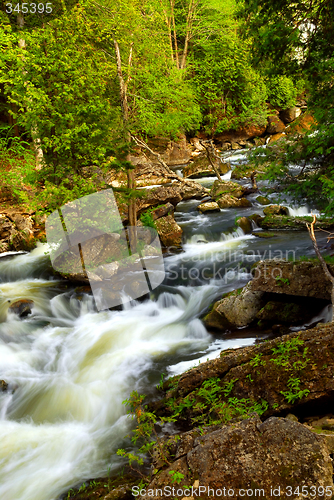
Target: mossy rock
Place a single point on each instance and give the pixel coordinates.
(276, 210)
(294, 223)
(263, 200)
(228, 201)
(245, 224)
(263, 234)
(219, 189)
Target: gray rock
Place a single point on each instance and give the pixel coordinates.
(253, 456)
(236, 310)
(208, 207)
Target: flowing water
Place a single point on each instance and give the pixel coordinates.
(69, 367)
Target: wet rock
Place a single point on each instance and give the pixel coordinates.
(301, 125)
(162, 211)
(277, 137)
(169, 231)
(304, 279)
(289, 313)
(201, 167)
(263, 234)
(293, 223)
(196, 143)
(290, 114)
(21, 307)
(228, 201)
(243, 134)
(262, 200)
(264, 373)
(245, 224)
(275, 125)
(219, 189)
(237, 310)
(255, 457)
(256, 218)
(208, 207)
(3, 386)
(276, 210)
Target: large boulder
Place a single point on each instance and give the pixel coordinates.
(276, 210)
(208, 207)
(249, 459)
(169, 231)
(227, 187)
(228, 201)
(293, 373)
(242, 134)
(238, 309)
(201, 167)
(290, 114)
(245, 224)
(293, 223)
(275, 125)
(304, 279)
(302, 124)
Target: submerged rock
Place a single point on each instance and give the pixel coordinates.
(21, 307)
(3, 386)
(262, 200)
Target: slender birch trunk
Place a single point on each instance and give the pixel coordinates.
(125, 113)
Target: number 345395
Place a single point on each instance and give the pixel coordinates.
(31, 8)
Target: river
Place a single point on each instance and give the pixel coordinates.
(69, 367)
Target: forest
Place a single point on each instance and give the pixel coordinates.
(166, 249)
(78, 82)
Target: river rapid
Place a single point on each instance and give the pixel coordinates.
(70, 367)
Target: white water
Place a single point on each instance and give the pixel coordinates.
(65, 419)
(302, 211)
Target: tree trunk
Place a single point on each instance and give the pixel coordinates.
(125, 113)
(190, 15)
(212, 156)
(310, 228)
(34, 131)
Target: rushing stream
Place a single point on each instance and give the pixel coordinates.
(69, 368)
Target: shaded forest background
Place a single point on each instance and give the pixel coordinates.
(77, 83)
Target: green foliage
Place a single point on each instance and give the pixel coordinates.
(294, 392)
(257, 360)
(285, 350)
(281, 281)
(176, 476)
(282, 92)
(16, 166)
(147, 219)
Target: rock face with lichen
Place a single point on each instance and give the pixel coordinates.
(251, 455)
(169, 231)
(201, 167)
(291, 374)
(235, 310)
(20, 230)
(304, 279)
